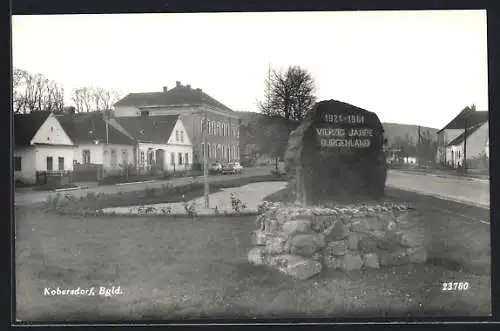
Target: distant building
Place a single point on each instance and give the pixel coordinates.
(468, 128)
(190, 105)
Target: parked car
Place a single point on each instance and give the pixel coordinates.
(215, 168)
(232, 168)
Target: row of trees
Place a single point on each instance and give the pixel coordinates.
(425, 150)
(32, 92)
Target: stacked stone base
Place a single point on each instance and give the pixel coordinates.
(301, 241)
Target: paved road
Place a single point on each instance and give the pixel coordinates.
(31, 197)
(475, 192)
(469, 191)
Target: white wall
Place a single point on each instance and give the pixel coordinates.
(51, 132)
(42, 152)
(28, 165)
(96, 153)
(107, 149)
(476, 144)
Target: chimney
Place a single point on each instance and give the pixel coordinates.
(178, 83)
(198, 89)
(188, 86)
(165, 89)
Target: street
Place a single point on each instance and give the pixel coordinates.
(33, 197)
(474, 192)
(458, 189)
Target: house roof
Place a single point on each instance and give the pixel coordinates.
(27, 125)
(462, 137)
(154, 129)
(88, 127)
(179, 95)
(471, 117)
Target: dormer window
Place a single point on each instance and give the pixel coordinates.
(141, 132)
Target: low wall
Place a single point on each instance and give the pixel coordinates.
(300, 241)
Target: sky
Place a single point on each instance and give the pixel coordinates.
(410, 67)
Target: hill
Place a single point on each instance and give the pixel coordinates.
(392, 130)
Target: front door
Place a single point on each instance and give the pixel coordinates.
(160, 159)
(50, 166)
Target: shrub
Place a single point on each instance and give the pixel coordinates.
(190, 208)
(236, 203)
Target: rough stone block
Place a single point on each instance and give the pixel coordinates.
(256, 255)
(368, 244)
(306, 244)
(336, 248)
(353, 241)
(417, 254)
(390, 242)
(350, 261)
(275, 245)
(259, 238)
(393, 258)
(337, 231)
(359, 225)
(296, 266)
(412, 238)
(297, 226)
(386, 216)
(371, 261)
(373, 223)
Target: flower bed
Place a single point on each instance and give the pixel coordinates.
(300, 241)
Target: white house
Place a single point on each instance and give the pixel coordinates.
(476, 142)
(98, 143)
(162, 142)
(451, 138)
(41, 145)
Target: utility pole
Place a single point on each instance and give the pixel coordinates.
(465, 146)
(418, 148)
(205, 153)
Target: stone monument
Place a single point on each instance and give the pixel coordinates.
(336, 153)
(337, 172)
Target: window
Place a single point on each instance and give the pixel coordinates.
(177, 135)
(180, 158)
(186, 158)
(51, 129)
(61, 163)
(144, 113)
(17, 163)
(218, 128)
(182, 136)
(202, 149)
(209, 127)
(114, 159)
(125, 156)
(209, 152)
(86, 156)
(143, 157)
(49, 163)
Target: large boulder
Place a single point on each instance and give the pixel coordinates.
(306, 244)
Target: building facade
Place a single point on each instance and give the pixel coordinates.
(192, 106)
(41, 146)
(162, 142)
(467, 133)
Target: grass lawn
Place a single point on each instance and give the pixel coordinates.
(184, 268)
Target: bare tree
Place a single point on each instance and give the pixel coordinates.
(94, 99)
(32, 92)
(288, 94)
